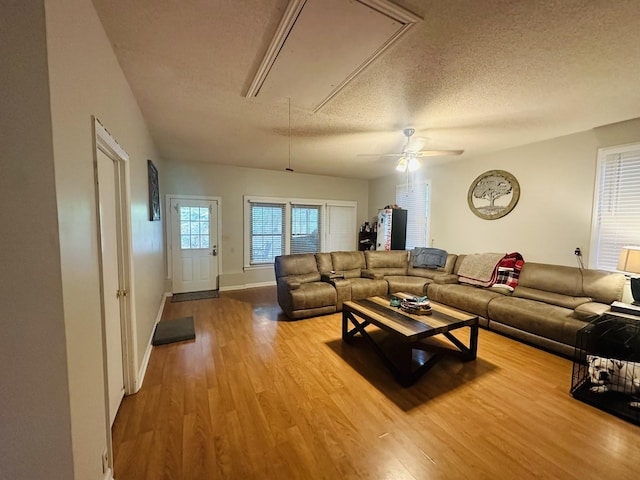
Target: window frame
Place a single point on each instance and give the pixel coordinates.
(288, 202)
(595, 261)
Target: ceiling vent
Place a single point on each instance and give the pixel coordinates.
(321, 45)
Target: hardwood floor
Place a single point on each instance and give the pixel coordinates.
(256, 396)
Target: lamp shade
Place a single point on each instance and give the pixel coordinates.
(629, 260)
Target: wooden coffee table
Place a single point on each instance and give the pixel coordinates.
(408, 332)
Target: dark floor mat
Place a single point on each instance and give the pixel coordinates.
(187, 297)
(178, 330)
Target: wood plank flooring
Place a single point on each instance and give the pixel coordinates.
(256, 396)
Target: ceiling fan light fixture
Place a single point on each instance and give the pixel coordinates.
(414, 164)
(402, 165)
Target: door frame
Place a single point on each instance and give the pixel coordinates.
(176, 196)
(104, 142)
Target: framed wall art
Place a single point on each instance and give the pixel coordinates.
(154, 192)
(493, 194)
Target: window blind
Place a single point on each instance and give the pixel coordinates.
(305, 228)
(415, 199)
(617, 204)
(267, 238)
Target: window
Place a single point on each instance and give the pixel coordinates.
(305, 228)
(267, 232)
(194, 227)
(616, 211)
(277, 226)
(415, 199)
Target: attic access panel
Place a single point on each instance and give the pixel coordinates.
(321, 45)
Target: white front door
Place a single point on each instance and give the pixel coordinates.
(194, 244)
(109, 239)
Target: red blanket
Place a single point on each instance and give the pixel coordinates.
(507, 271)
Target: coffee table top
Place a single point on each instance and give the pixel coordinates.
(379, 312)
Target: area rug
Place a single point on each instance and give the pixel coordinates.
(169, 331)
(187, 297)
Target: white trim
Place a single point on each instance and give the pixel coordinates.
(147, 354)
(291, 14)
(167, 225)
(287, 202)
(108, 475)
(104, 142)
(248, 285)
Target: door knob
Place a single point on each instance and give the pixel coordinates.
(214, 252)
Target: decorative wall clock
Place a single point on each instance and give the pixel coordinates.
(493, 194)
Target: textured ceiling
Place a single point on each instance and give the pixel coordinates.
(478, 75)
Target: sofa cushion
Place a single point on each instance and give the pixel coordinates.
(464, 297)
(604, 287)
(296, 264)
(324, 263)
(313, 295)
(389, 262)
(351, 263)
(366, 287)
(412, 285)
(539, 318)
(552, 298)
(552, 278)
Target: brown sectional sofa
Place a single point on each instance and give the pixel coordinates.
(547, 308)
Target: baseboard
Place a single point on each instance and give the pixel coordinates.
(247, 285)
(147, 353)
(108, 475)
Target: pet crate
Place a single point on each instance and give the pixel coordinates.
(615, 340)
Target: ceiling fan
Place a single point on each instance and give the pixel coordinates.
(408, 158)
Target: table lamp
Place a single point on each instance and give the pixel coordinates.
(630, 262)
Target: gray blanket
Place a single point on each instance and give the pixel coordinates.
(426, 257)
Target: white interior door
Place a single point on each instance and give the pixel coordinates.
(194, 244)
(341, 228)
(109, 236)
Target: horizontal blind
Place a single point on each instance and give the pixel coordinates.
(266, 240)
(617, 208)
(305, 228)
(414, 199)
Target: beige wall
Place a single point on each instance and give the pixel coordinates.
(86, 80)
(553, 215)
(231, 183)
(35, 424)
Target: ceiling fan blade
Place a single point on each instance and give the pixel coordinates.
(436, 153)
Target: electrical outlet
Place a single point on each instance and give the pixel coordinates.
(577, 252)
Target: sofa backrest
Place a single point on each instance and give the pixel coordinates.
(324, 262)
(580, 284)
(431, 272)
(350, 263)
(301, 265)
(388, 262)
(604, 287)
(457, 263)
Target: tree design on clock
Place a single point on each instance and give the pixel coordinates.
(493, 194)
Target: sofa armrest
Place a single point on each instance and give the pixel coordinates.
(590, 310)
(328, 277)
(291, 283)
(446, 278)
(371, 274)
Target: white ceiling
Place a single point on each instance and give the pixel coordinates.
(481, 75)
